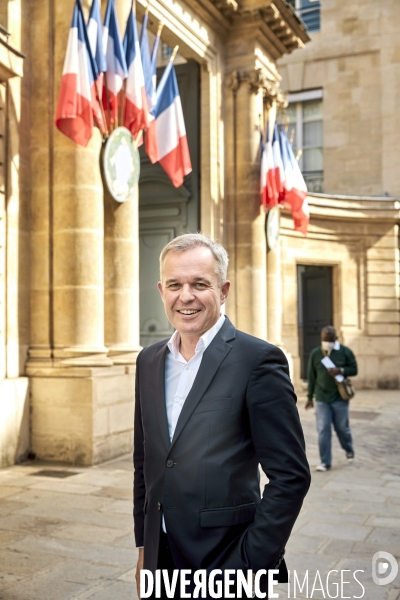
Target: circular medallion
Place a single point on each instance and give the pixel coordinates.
(272, 226)
(121, 164)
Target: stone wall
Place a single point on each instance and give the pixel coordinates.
(355, 59)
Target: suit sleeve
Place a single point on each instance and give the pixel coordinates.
(278, 441)
(139, 487)
(350, 368)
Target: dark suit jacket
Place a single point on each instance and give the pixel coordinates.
(240, 413)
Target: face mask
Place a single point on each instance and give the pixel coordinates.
(327, 346)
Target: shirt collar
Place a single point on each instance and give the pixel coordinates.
(202, 344)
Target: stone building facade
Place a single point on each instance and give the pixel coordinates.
(78, 271)
(349, 75)
(69, 275)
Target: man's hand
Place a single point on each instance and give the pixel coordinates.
(139, 567)
(334, 371)
(309, 404)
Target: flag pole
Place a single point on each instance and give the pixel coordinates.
(107, 100)
(160, 28)
(137, 138)
(102, 109)
(174, 53)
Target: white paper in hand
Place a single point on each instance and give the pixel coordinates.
(326, 361)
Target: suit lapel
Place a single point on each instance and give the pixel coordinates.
(213, 357)
(159, 392)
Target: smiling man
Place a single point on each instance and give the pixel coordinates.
(212, 404)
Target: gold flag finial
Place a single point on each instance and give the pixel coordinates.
(174, 53)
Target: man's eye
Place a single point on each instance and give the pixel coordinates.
(200, 285)
(173, 286)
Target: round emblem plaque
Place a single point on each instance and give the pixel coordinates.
(272, 226)
(121, 164)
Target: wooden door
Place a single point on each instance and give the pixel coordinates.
(166, 211)
(315, 308)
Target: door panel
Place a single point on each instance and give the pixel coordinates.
(315, 308)
(166, 211)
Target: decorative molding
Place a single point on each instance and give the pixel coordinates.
(258, 80)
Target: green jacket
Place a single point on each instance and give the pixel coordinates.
(320, 383)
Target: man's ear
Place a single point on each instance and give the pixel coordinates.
(160, 289)
(225, 291)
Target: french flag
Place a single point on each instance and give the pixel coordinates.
(278, 165)
(116, 63)
(263, 173)
(147, 65)
(272, 193)
(153, 68)
(167, 130)
(74, 115)
(95, 35)
(136, 109)
(295, 187)
(150, 74)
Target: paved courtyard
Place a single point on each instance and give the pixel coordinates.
(66, 532)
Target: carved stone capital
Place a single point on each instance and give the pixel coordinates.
(257, 80)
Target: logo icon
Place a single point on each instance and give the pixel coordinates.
(381, 568)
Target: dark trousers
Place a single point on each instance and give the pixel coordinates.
(166, 561)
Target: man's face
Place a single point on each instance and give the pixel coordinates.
(190, 292)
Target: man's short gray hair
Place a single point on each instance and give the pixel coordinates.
(188, 241)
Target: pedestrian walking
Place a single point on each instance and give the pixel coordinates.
(330, 408)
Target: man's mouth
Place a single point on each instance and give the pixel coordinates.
(188, 311)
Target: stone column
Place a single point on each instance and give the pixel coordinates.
(274, 297)
(247, 244)
(78, 259)
(121, 285)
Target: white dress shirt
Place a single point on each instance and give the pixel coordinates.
(180, 375)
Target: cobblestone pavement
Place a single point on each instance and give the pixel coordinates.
(71, 537)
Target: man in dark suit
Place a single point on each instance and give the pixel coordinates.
(212, 404)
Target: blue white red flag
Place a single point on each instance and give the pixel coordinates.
(278, 165)
(272, 193)
(147, 65)
(74, 116)
(136, 109)
(167, 130)
(295, 186)
(263, 172)
(153, 68)
(116, 63)
(95, 35)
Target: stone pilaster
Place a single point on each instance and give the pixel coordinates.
(274, 296)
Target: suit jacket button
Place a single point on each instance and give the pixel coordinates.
(170, 462)
(158, 506)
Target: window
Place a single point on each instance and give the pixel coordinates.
(306, 134)
(309, 11)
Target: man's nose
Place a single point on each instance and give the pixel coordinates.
(186, 293)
